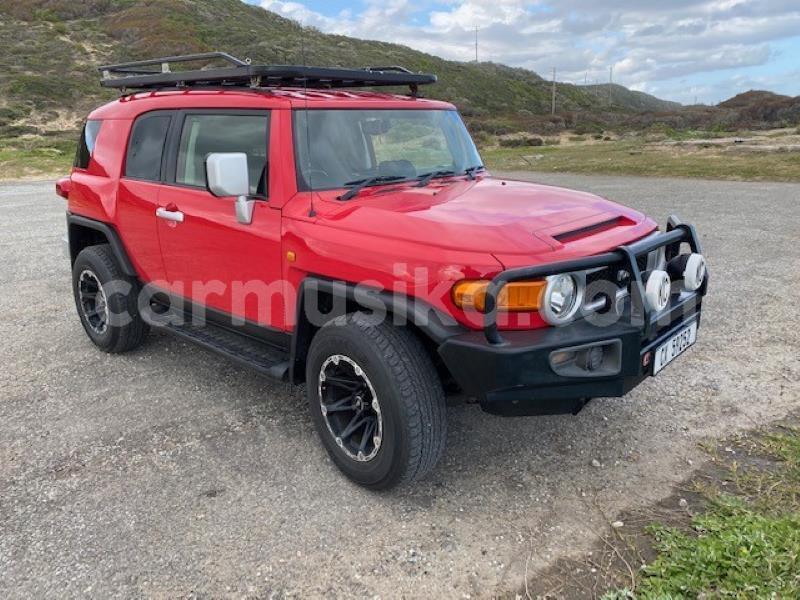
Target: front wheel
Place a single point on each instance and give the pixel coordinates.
(376, 401)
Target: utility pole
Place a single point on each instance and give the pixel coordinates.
(553, 105)
(610, 82)
(476, 44)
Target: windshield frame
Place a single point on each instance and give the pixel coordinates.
(303, 186)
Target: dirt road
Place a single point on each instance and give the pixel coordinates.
(169, 471)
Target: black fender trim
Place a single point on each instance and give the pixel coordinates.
(111, 235)
(433, 323)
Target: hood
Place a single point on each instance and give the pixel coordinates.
(518, 222)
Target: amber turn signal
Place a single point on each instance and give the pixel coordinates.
(517, 296)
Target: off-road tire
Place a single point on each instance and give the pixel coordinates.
(409, 391)
(119, 336)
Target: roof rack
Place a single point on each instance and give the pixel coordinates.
(156, 74)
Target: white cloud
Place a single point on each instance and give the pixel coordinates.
(653, 45)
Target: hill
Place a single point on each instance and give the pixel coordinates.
(756, 107)
(752, 98)
(614, 94)
(49, 50)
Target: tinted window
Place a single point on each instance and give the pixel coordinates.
(204, 134)
(146, 147)
(86, 143)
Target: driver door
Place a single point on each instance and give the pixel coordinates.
(209, 257)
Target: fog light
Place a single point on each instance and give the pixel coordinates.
(560, 358)
(588, 360)
(658, 290)
(591, 359)
(695, 272)
(691, 268)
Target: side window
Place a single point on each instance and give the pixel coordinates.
(146, 147)
(86, 144)
(204, 134)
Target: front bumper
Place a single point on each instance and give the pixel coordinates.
(514, 374)
(516, 378)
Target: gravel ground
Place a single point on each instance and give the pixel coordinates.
(168, 471)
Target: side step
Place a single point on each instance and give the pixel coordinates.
(243, 349)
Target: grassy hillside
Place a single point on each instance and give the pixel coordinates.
(614, 94)
(50, 48)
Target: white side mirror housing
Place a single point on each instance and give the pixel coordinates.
(227, 175)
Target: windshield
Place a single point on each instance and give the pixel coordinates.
(338, 147)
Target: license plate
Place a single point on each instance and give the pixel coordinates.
(674, 347)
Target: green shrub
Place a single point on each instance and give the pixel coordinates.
(17, 130)
(587, 128)
(735, 549)
(521, 141)
(11, 114)
(482, 139)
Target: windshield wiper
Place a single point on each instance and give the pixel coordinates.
(360, 184)
(426, 178)
(470, 171)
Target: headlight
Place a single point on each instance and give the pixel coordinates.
(563, 297)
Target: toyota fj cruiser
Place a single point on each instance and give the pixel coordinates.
(352, 241)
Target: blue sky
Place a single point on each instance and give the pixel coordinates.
(680, 50)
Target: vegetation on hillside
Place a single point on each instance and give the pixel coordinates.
(613, 94)
(49, 50)
(651, 155)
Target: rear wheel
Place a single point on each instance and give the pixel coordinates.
(376, 401)
(106, 300)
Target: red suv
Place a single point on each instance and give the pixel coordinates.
(352, 241)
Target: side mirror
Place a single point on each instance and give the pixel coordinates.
(227, 175)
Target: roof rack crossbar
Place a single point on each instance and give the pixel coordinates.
(137, 76)
(395, 68)
(130, 67)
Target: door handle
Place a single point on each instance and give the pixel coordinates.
(169, 215)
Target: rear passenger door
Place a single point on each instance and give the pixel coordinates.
(211, 258)
(139, 188)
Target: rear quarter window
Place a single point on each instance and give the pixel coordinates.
(146, 147)
(86, 143)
